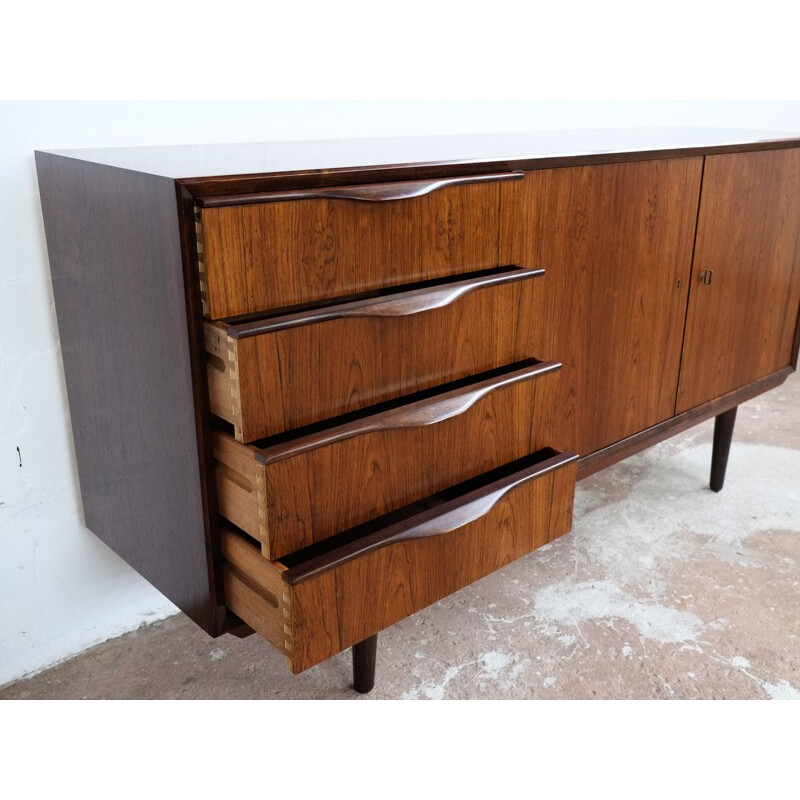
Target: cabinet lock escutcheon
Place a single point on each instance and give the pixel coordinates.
(706, 276)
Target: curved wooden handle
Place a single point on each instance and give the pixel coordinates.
(406, 304)
(399, 304)
(429, 411)
(471, 508)
(367, 192)
(451, 404)
(443, 518)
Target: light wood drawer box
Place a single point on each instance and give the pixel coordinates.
(283, 372)
(318, 602)
(261, 252)
(290, 494)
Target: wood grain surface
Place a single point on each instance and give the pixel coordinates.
(271, 255)
(114, 242)
(381, 192)
(399, 301)
(387, 584)
(255, 590)
(356, 596)
(641, 440)
(741, 326)
(292, 377)
(617, 244)
(293, 494)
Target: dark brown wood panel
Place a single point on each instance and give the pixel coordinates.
(335, 481)
(379, 192)
(297, 376)
(742, 321)
(114, 242)
(616, 241)
(215, 169)
(271, 255)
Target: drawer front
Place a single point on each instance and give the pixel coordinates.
(314, 245)
(339, 598)
(273, 376)
(293, 494)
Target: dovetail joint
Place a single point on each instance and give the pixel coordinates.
(233, 373)
(288, 641)
(201, 261)
(261, 498)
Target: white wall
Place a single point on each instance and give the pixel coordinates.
(61, 590)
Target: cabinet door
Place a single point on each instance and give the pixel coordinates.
(745, 289)
(615, 241)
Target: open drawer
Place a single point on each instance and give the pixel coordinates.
(323, 599)
(292, 492)
(281, 372)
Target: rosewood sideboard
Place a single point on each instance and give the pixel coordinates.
(317, 386)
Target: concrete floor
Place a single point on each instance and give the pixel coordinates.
(663, 590)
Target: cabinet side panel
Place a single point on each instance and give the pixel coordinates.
(115, 260)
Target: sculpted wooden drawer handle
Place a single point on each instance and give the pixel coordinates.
(415, 303)
(478, 507)
(369, 192)
(399, 304)
(442, 518)
(428, 411)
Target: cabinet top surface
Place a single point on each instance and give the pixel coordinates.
(187, 162)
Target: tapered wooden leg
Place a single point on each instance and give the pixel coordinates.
(364, 664)
(723, 433)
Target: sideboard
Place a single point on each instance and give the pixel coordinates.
(317, 386)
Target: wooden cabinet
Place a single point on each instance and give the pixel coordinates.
(745, 288)
(316, 388)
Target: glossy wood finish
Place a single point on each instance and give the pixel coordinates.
(291, 377)
(260, 257)
(397, 302)
(387, 583)
(364, 654)
(112, 236)
(723, 435)
(412, 411)
(293, 493)
(214, 169)
(663, 430)
(364, 192)
(342, 597)
(539, 150)
(742, 326)
(616, 241)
